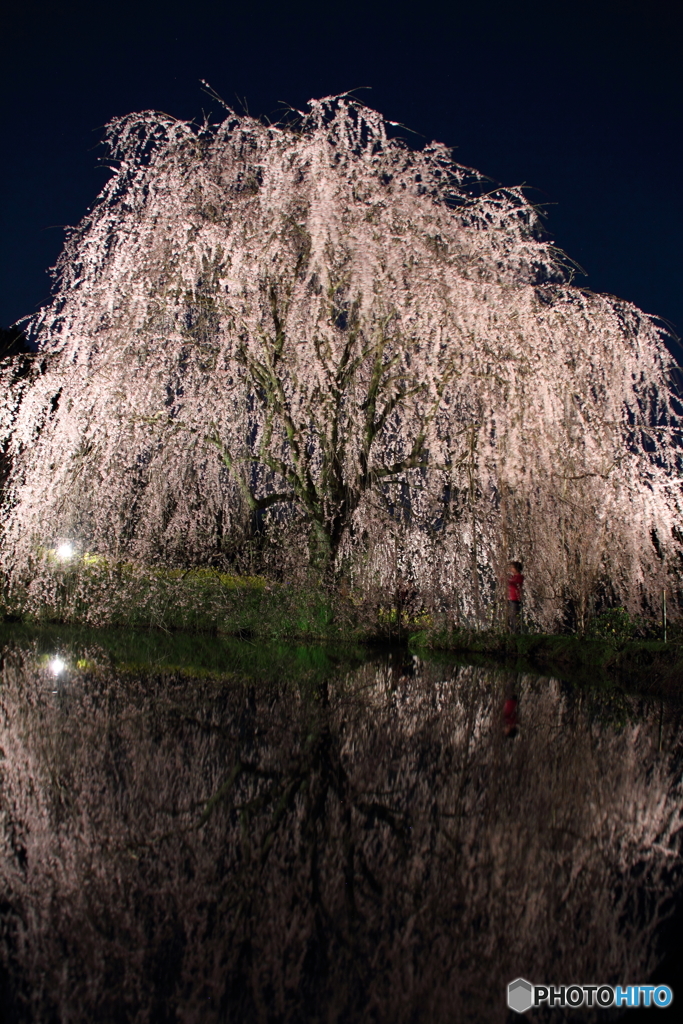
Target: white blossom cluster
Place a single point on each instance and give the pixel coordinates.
(310, 328)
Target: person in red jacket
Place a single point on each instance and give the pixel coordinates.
(515, 582)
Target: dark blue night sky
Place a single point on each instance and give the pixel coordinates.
(583, 103)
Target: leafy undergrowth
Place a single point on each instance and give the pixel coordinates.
(97, 592)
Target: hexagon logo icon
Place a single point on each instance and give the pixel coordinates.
(520, 995)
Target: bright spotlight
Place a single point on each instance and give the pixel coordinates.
(56, 666)
(65, 551)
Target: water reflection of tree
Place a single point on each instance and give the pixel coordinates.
(371, 850)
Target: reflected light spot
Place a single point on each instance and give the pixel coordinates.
(65, 551)
(56, 666)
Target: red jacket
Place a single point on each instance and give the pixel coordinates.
(515, 587)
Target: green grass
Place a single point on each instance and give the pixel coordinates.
(648, 665)
(144, 600)
(94, 591)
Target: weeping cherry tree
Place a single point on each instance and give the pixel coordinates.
(368, 355)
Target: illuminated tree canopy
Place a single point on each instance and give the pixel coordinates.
(312, 331)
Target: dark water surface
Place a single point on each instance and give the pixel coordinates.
(199, 830)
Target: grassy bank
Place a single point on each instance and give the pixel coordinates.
(94, 592)
(646, 665)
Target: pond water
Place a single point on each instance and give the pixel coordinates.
(199, 830)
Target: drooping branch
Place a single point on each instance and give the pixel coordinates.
(300, 316)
